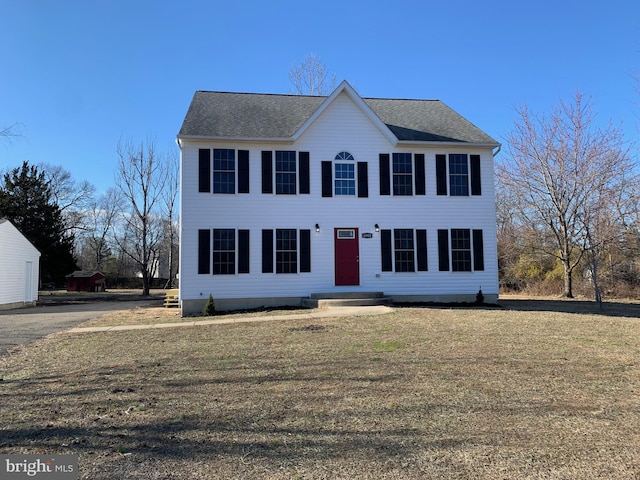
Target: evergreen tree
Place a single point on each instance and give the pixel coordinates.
(26, 200)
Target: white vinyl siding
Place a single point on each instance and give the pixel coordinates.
(341, 127)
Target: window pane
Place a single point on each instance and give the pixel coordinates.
(345, 182)
(286, 251)
(402, 174)
(224, 251)
(458, 174)
(403, 246)
(224, 170)
(286, 173)
(460, 250)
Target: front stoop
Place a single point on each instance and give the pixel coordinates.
(345, 299)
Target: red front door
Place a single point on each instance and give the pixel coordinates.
(347, 256)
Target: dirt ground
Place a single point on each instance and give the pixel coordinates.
(534, 390)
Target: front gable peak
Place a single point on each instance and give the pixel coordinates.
(347, 89)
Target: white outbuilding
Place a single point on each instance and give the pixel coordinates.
(19, 267)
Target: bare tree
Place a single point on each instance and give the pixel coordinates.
(311, 77)
(73, 197)
(11, 132)
(169, 200)
(101, 221)
(140, 179)
(561, 171)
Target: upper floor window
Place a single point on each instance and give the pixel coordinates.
(345, 174)
(224, 170)
(224, 175)
(291, 172)
(402, 174)
(285, 172)
(459, 176)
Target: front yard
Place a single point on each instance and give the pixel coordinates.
(520, 392)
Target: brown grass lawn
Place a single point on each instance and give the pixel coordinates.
(529, 391)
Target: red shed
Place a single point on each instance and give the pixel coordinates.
(84, 281)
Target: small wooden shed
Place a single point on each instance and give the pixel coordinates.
(86, 281)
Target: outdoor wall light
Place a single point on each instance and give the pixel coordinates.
(317, 228)
(377, 227)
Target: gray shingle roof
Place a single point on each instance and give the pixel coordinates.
(270, 116)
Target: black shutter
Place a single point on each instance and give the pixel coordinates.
(303, 171)
(443, 250)
(363, 180)
(267, 172)
(327, 179)
(243, 171)
(476, 185)
(204, 170)
(419, 169)
(385, 175)
(305, 250)
(267, 251)
(243, 251)
(385, 242)
(204, 251)
(478, 250)
(421, 241)
(441, 174)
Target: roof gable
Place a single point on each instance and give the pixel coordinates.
(6, 224)
(272, 117)
(344, 87)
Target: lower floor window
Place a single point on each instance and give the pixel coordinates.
(404, 250)
(228, 254)
(224, 251)
(403, 247)
(460, 250)
(286, 251)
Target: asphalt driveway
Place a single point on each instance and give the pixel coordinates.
(22, 326)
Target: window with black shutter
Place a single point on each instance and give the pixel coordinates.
(305, 250)
(243, 171)
(385, 174)
(441, 174)
(476, 185)
(443, 250)
(267, 172)
(363, 180)
(421, 250)
(420, 173)
(387, 254)
(478, 251)
(204, 170)
(327, 179)
(303, 172)
(267, 251)
(204, 251)
(243, 251)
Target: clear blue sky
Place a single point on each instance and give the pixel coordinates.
(79, 75)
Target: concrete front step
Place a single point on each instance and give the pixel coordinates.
(347, 295)
(346, 299)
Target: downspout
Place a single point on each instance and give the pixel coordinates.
(497, 151)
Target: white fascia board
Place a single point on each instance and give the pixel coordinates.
(203, 138)
(414, 143)
(348, 89)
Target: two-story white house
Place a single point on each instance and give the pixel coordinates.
(286, 196)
